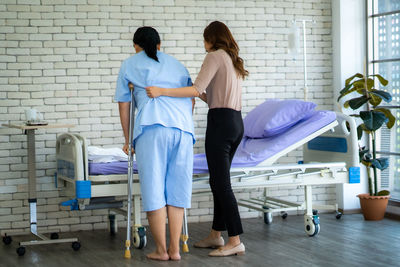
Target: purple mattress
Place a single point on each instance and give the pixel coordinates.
(250, 152)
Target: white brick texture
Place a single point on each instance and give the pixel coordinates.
(62, 58)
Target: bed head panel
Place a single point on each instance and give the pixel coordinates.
(70, 163)
(84, 154)
(338, 145)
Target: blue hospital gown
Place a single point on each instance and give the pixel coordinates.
(143, 71)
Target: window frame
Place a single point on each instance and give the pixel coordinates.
(372, 61)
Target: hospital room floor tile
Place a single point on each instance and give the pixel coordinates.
(350, 241)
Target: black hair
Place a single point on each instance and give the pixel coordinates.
(148, 39)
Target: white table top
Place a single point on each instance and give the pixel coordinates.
(30, 127)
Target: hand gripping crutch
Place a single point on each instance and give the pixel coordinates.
(130, 173)
(185, 233)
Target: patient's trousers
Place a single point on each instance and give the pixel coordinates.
(223, 135)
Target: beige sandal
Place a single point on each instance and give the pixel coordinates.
(238, 250)
(210, 243)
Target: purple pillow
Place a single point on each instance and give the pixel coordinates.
(275, 116)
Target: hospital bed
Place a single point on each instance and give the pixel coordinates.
(330, 156)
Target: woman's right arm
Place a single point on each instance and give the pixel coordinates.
(206, 74)
(189, 91)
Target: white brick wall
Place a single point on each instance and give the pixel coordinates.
(62, 58)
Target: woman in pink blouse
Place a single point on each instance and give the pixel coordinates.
(219, 84)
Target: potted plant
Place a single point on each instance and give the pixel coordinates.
(373, 116)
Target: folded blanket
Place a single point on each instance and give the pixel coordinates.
(105, 155)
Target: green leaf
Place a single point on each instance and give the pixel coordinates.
(382, 80)
(344, 90)
(351, 91)
(381, 163)
(365, 129)
(389, 115)
(383, 193)
(373, 120)
(374, 100)
(359, 132)
(361, 91)
(361, 83)
(370, 84)
(355, 103)
(358, 75)
(387, 97)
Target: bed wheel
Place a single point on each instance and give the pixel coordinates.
(339, 215)
(7, 239)
(284, 215)
(268, 217)
(76, 246)
(112, 224)
(312, 225)
(54, 236)
(316, 230)
(21, 251)
(139, 237)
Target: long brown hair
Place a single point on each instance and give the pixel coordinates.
(220, 37)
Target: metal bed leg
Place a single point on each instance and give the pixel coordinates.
(139, 232)
(311, 219)
(268, 216)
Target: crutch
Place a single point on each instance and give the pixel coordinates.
(130, 173)
(185, 233)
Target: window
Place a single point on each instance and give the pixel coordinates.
(384, 58)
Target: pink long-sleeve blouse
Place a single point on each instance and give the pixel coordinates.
(219, 79)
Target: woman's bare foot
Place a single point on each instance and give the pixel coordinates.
(158, 256)
(175, 256)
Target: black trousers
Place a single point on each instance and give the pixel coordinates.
(223, 136)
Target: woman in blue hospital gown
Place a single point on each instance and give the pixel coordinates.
(162, 139)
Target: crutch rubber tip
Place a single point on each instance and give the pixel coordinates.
(127, 254)
(185, 248)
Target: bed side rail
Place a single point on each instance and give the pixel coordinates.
(339, 144)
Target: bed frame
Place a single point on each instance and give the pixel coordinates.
(335, 145)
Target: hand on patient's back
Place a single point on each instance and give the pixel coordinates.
(153, 91)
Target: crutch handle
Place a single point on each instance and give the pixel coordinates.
(131, 87)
